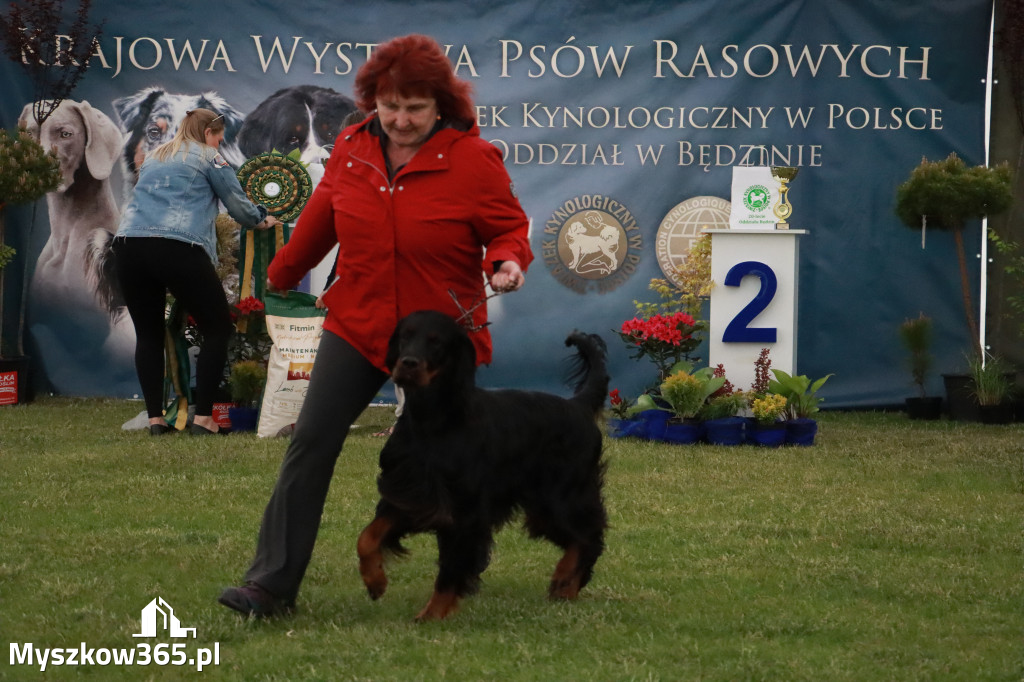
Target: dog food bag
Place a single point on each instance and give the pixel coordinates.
(295, 325)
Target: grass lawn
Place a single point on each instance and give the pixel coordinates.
(891, 550)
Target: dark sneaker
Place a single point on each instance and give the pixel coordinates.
(252, 600)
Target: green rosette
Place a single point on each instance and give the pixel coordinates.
(278, 182)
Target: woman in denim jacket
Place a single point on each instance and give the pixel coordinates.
(167, 241)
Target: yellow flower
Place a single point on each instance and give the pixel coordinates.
(769, 408)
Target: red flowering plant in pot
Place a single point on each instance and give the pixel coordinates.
(250, 342)
(668, 332)
(248, 354)
(666, 339)
(624, 422)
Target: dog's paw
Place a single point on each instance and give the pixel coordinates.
(566, 589)
(440, 606)
(376, 585)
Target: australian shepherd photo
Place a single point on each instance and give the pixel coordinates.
(463, 461)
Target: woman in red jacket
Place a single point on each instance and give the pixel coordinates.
(419, 205)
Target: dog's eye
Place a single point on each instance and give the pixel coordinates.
(154, 132)
(66, 133)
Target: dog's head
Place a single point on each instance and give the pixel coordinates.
(303, 117)
(77, 132)
(151, 117)
(430, 349)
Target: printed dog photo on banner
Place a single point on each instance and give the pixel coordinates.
(76, 320)
(303, 117)
(151, 117)
(78, 327)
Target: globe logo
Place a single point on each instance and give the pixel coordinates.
(682, 226)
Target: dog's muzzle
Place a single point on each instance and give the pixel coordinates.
(412, 371)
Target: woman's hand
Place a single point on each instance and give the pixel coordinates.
(271, 289)
(267, 223)
(509, 277)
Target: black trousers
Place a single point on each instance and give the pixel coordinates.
(341, 386)
(149, 267)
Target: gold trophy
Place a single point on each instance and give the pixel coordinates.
(783, 209)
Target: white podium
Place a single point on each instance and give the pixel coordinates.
(754, 300)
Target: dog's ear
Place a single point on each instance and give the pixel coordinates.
(27, 121)
(134, 109)
(103, 139)
(391, 357)
(233, 118)
(463, 360)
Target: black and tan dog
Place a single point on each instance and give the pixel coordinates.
(463, 461)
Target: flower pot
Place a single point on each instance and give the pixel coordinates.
(724, 431)
(243, 418)
(767, 435)
(924, 408)
(15, 387)
(684, 432)
(654, 423)
(626, 428)
(996, 414)
(801, 431)
(960, 401)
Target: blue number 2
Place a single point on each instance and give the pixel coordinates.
(738, 330)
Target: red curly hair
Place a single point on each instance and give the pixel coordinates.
(414, 66)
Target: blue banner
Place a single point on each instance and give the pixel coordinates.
(608, 113)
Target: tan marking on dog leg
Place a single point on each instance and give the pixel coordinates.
(371, 559)
(440, 606)
(565, 582)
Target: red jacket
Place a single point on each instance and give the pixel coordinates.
(404, 245)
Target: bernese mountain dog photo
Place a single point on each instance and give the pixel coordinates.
(464, 461)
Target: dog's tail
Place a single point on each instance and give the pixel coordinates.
(590, 374)
(101, 272)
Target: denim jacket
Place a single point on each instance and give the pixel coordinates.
(177, 199)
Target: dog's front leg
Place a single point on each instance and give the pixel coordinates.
(371, 558)
(463, 554)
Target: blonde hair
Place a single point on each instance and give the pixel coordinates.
(193, 128)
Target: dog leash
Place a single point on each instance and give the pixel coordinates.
(466, 318)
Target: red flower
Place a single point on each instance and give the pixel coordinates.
(616, 399)
(250, 304)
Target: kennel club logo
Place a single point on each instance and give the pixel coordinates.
(592, 243)
(756, 197)
(682, 226)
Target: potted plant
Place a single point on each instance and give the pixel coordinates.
(802, 402)
(992, 385)
(667, 339)
(947, 194)
(247, 379)
(768, 427)
(686, 394)
(722, 423)
(624, 422)
(916, 335)
(27, 173)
